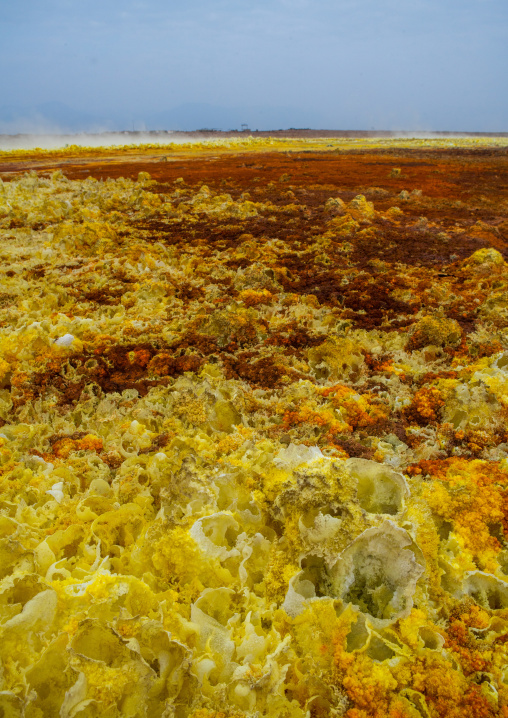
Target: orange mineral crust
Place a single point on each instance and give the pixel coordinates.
(254, 430)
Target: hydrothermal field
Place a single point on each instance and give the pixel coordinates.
(253, 430)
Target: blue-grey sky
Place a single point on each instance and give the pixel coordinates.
(338, 64)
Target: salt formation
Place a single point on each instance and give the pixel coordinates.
(65, 341)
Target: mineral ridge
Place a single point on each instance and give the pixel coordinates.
(253, 432)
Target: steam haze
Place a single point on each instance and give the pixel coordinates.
(340, 64)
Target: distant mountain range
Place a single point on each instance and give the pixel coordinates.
(57, 118)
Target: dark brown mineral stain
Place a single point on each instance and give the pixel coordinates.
(158, 443)
(353, 447)
(106, 296)
(114, 369)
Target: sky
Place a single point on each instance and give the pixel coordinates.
(326, 64)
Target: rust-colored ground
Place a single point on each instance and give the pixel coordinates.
(459, 188)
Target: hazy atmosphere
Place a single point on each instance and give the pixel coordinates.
(337, 64)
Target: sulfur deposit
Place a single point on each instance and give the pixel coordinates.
(253, 437)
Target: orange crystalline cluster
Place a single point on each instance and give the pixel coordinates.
(427, 403)
(251, 298)
(63, 447)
